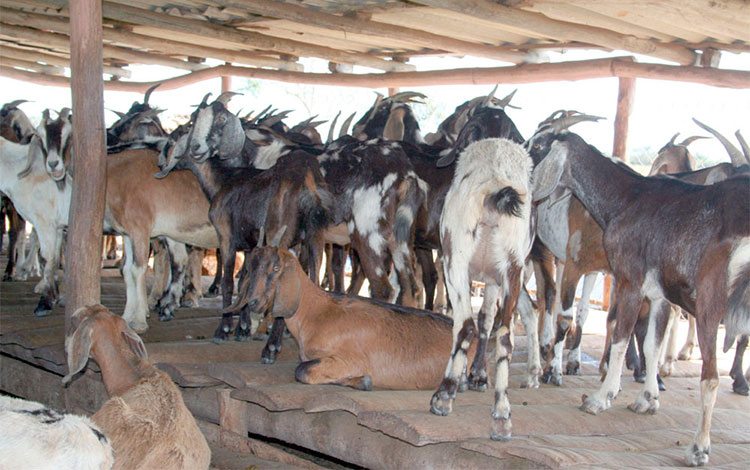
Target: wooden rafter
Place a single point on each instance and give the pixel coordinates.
(61, 25)
(18, 53)
(355, 24)
(530, 73)
(563, 30)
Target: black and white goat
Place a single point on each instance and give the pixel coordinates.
(666, 241)
(486, 232)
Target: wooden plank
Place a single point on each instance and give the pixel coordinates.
(60, 61)
(10, 61)
(165, 46)
(242, 375)
(562, 30)
(354, 24)
(189, 375)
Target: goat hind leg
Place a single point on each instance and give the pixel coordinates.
(530, 324)
(331, 370)
(687, 349)
(647, 401)
(670, 351)
(573, 367)
(477, 379)
(501, 424)
(739, 385)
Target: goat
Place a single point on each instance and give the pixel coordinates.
(242, 200)
(145, 417)
(486, 232)
(667, 241)
(346, 340)
(14, 127)
(35, 437)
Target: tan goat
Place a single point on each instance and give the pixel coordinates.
(347, 340)
(145, 418)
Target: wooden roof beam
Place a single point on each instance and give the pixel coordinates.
(254, 40)
(141, 41)
(359, 25)
(62, 42)
(30, 65)
(563, 30)
(37, 56)
(529, 73)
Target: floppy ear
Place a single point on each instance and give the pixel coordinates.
(77, 348)
(394, 126)
(134, 342)
(232, 138)
(288, 293)
(548, 173)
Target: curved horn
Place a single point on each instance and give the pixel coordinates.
(258, 116)
(406, 97)
(315, 124)
(378, 100)
(690, 140)
(487, 98)
(573, 118)
(345, 126)
(277, 238)
(148, 93)
(119, 114)
(14, 104)
(270, 121)
(505, 101)
(330, 129)
(734, 153)
(204, 101)
(226, 96)
(64, 113)
(743, 144)
(45, 115)
(306, 122)
(671, 141)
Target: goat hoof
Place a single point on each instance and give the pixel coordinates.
(365, 384)
(7, 277)
(593, 405)
(260, 337)
(531, 381)
(640, 378)
(697, 457)
(463, 384)
(220, 335)
(43, 308)
(573, 368)
(166, 315)
(739, 386)
(477, 382)
(242, 334)
(501, 429)
(660, 383)
(667, 368)
(441, 403)
(212, 291)
(645, 404)
(552, 377)
(268, 356)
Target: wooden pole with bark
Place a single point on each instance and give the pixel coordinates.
(84, 239)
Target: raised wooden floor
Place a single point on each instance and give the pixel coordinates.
(237, 399)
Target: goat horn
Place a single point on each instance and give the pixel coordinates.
(315, 124)
(671, 141)
(148, 93)
(552, 117)
(406, 97)
(506, 101)
(690, 140)
(277, 238)
(64, 113)
(204, 101)
(734, 153)
(488, 98)
(45, 115)
(119, 114)
(226, 96)
(330, 129)
(270, 121)
(345, 126)
(743, 144)
(14, 104)
(306, 122)
(378, 100)
(261, 236)
(572, 118)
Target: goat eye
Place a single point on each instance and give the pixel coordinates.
(276, 267)
(537, 146)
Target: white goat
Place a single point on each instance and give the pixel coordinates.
(35, 437)
(42, 201)
(486, 231)
(145, 418)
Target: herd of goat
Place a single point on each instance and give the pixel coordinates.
(495, 206)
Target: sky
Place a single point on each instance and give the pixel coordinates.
(661, 108)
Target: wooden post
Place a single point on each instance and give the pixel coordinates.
(84, 240)
(226, 82)
(622, 119)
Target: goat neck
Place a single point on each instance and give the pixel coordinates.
(604, 186)
(121, 369)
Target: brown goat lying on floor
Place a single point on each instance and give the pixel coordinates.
(145, 418)
(347, 340)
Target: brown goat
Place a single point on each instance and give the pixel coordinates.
(145, 418)
(347, 340)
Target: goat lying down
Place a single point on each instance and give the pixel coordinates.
(145, 418)
(346, 340)
(486, 230)
(35, 437)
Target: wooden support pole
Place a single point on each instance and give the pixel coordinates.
(83, 260)
(625, 99)
(226, 82)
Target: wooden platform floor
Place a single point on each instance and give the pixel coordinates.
(257, 416)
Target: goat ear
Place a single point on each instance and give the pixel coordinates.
(232, 138)
(394, 126)
(134, 342)
(77, 348)
(288, 293)
(548, 173)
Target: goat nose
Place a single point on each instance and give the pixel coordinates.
(53, 164)
(195, 146)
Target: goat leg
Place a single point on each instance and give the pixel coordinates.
(273, 345)
(213, 289)
(331, 370)
(740, 381)
(477, 379)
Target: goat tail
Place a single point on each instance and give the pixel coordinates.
(737, 319)
(315, 208)
(506, 201)
(411, 197)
